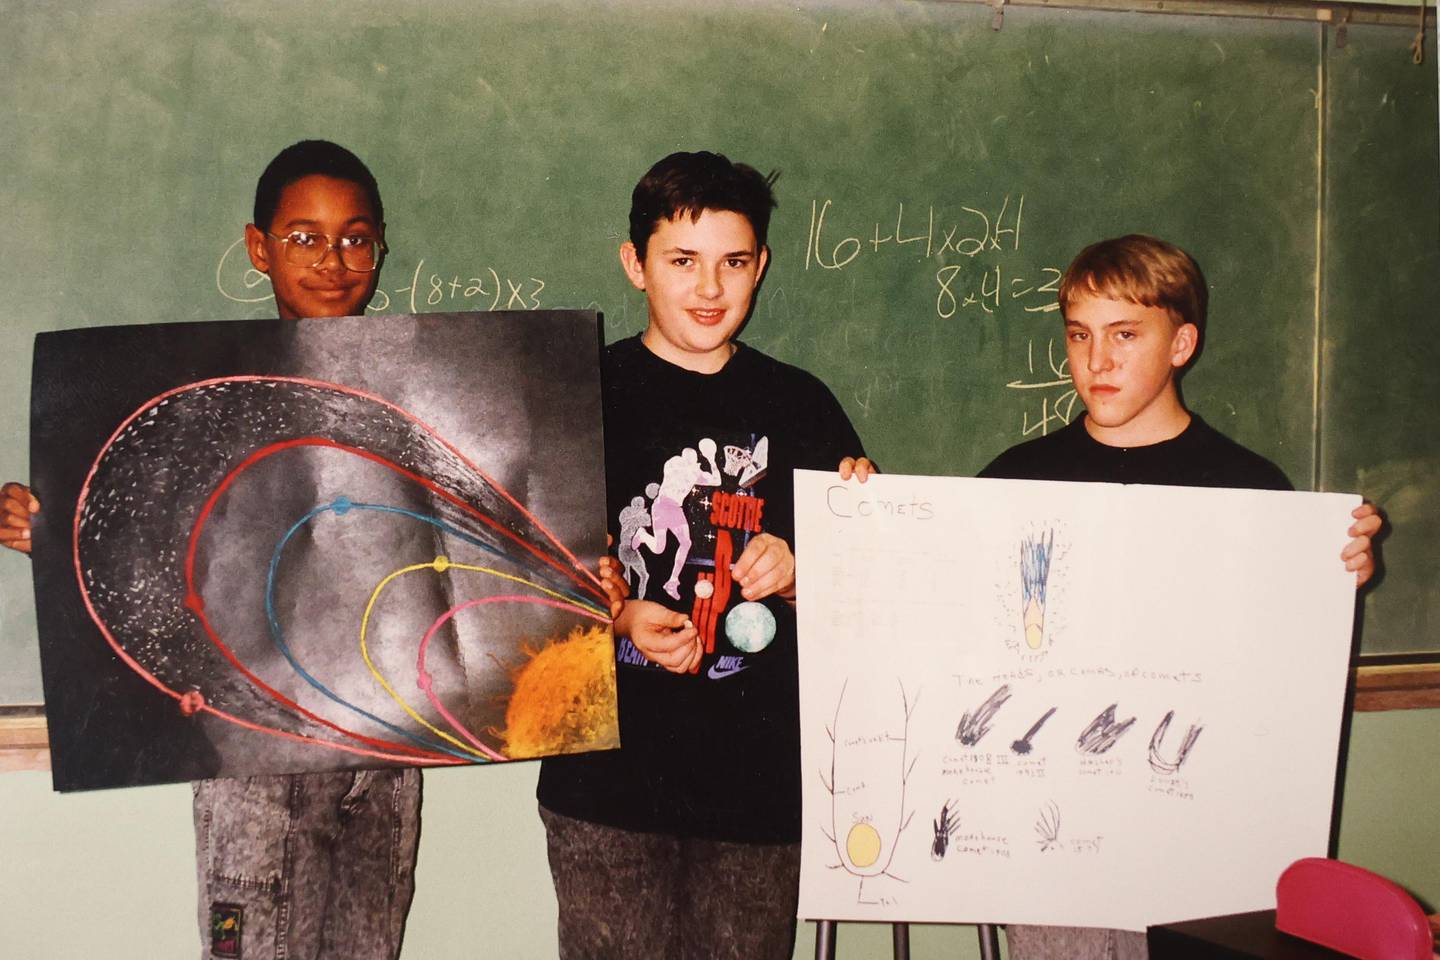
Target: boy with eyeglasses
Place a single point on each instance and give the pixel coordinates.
(320, 865)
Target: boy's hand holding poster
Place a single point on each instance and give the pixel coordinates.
(279, 546)
(1077, 704)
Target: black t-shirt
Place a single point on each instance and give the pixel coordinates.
(695, 466)
(1199, 457)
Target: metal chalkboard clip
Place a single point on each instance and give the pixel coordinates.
(1417, 46)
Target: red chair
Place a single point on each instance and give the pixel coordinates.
(1351, 910)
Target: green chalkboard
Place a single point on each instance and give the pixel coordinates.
(936, 176)
(1380, 379)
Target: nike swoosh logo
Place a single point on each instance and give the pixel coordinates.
(715, 673)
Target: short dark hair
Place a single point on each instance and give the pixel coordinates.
(310, 158)
(691, 183)
(1143, 270)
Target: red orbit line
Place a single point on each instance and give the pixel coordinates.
(195, 603)
(192, 600)
(593, 587)
(430, 485)
(427, 683)
(434, 758)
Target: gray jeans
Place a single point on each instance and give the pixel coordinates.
(306, 867)
(1074, 943)
(651, 896)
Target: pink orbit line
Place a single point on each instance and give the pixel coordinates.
(154, 681)
(425, 681)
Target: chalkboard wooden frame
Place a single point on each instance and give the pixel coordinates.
(1397, 686)
(24, 740)
(24, 743)
(1339, 14)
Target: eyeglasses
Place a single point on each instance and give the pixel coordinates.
(306, 248)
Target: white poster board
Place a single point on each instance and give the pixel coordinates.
(1054, 703)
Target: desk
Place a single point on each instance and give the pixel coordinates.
(1240, 936)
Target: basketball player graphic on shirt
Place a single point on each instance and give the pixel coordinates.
(682, 474)
(633, 518)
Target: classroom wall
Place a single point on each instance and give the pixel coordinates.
(110, 874)
(936, 175)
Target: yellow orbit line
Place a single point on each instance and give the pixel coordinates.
(440, 565)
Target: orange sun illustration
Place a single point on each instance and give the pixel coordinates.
(564, 698)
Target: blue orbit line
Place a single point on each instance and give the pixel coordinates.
(340, 506)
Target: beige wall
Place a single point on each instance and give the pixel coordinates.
(109, 874)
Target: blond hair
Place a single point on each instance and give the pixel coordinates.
(1140, 269)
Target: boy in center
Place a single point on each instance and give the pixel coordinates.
(685, 842)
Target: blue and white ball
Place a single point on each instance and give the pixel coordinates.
(750, 626)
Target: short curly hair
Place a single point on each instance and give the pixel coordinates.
(310, 158)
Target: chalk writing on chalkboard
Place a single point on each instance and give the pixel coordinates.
(973, 263)
(980, 274)
(1050, 376)
(986, 284)
(476, 288)
(969, 233)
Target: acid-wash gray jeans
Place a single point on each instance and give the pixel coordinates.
(625, 895)
(306, 867)
(1074, 943)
